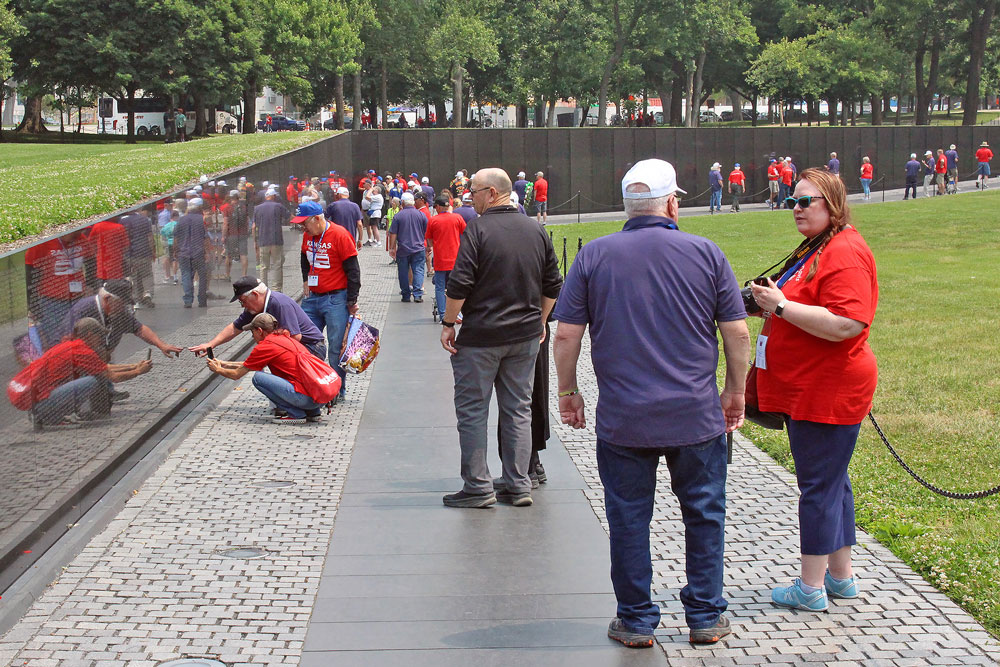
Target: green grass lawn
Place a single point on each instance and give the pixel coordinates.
(938, 398)
(50, 184)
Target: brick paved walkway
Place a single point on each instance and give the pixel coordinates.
(153, 587)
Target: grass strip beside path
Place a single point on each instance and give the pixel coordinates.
(42, 185)
(938, 399)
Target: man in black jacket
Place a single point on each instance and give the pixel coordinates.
(505, 283)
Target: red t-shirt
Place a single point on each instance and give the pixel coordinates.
(426, 211)
(63, 363)
(787, 174)
(60, 267)
(541, 190)
(867, 170)
(737, 176)
(292, 193)
(817, 380)
(111, 241)
(282, 360)
(941, 167)
(773, 172)
(445, 231)
(326, 257)
(984, 154)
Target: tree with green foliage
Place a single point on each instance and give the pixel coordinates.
(10, 28)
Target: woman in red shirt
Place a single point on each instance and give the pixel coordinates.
(815, 366)
(867, 172)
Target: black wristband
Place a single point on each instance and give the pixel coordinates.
(450, 325)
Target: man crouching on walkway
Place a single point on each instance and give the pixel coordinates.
(655, 354)
(287, 385)
(505, 282)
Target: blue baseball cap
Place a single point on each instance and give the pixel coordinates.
(306, 209)
(413, 175)
(291, 178)
(737, 164)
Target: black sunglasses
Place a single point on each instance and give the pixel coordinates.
(802, 201)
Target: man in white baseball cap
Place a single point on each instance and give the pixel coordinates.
(680, 290)
(347, 214)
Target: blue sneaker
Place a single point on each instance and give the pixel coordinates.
(795, 598)
(844, 589)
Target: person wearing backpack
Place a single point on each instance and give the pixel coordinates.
(299, 383)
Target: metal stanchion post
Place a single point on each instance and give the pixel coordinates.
(564, 257)
(729, 448)
(578, 206)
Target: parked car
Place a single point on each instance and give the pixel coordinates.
(658, 117)
(331, 123)
(708, 117)
(286, 123)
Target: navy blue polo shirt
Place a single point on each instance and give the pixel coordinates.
(189, 236)
(345, 213)
(468, 213)
(913, 169)
(289, 315)
(652, 297)
(410, 227)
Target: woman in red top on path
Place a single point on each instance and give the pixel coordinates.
(815, 366)
(737, 186)
(867, 172)
(940, 171)
(983, 157)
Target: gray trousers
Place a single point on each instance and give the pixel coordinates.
(272, 259)
(510, 369)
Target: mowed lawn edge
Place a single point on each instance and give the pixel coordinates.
(939, 377)
(46, 185)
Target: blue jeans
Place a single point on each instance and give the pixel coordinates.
(715, 204)
(190, 266)
(440, 283)
(784, 191)
(866, 183)
(51, 314)
(698, 479)
(418, 262)
(281, 392)
(330, 310)
(68, 398)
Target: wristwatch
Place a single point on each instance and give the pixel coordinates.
(780, 308)
(450, 325)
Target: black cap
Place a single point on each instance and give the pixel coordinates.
(420, 195)
(120, 288)
(243, 285)
(442, 200)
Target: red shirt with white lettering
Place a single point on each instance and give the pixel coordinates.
(787, 174)
(326, 255)
(59, 267)
(444, 231)
(814, 379)
(736, 176)
(63, 363)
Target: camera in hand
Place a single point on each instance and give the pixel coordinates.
(751, 306)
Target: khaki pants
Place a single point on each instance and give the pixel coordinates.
(272, 258)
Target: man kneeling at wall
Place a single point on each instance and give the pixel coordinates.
(299, 383)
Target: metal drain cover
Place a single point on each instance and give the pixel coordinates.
(193, 662)
(272, 484)
(245, 553)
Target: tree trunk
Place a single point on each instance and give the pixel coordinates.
(622, 36)
(356, 124)
(665, 96)
(977, 47)
(831, 111)
(200, 126)
(441, 113)
(781, 112)
(690, 111)
(550, 120)
(925, 90)
(1, 111)
(384, 94)
(130, 109)
(753, 111)
(338, 95)
(521, 119)
(62, 109)
(249, 98)
(699, 80)
(32, 121)
(876, 109)
(843, 112)
(677, 95)
(456, 97)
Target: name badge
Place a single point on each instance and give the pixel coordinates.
(313, 281)
(75, 286)
(761, 358)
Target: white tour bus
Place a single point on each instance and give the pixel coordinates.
(113, 119)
